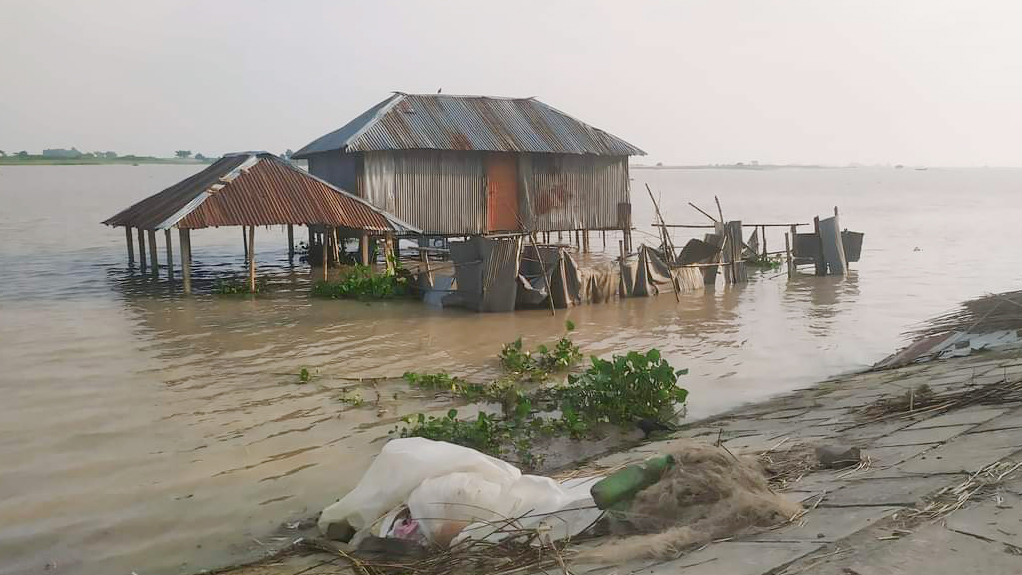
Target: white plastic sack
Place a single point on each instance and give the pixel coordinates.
(445, 505)
(400, 468)
(556, 510)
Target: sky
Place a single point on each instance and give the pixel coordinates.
(831, 82)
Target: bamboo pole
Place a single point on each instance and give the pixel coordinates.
(290, 242)
(170, 254)
(251, 259)
(131, 246)
(185, 247)
(152, 253)
(698, 209)
(141, 249)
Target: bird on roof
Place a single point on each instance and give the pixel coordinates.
(439, 90)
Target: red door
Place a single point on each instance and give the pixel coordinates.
(501, 193)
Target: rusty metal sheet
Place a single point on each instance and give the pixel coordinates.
(479, 123)
(255, 189)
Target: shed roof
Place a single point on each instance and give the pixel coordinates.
(255, 189)
(448, 122)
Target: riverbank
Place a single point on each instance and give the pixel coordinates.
(938, 490)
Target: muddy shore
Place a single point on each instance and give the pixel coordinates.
(887, 513)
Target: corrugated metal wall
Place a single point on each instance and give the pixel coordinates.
(443, 192)
(439, 192)
(567, 192)
(341, 170)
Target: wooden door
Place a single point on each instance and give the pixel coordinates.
(501, 192)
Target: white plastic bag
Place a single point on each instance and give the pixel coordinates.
(445, 505)
(401, 467)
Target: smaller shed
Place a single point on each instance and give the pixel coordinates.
(252, 189)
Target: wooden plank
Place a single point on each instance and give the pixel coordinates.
(185, 247)
(131, 246)
(170, 253)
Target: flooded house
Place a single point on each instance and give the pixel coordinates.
(470, 165)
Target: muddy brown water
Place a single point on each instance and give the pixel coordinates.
(144, 431)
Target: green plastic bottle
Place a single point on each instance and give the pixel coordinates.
(622, 485)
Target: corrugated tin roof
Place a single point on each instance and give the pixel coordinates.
(255, 189)
(481, 123)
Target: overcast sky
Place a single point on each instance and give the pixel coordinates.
(927, 82)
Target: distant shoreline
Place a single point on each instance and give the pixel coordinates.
(741, 167)
(125, 160)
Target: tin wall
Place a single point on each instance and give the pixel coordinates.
(437, 191)
(570, 191)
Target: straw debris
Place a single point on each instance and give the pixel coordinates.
(708, 495)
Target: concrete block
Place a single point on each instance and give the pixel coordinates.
(933, 550)
(734, 558)
(992, 521)
(881, 457)
(1009, 420)
(919, 436)
(904, 491)
(828, 524)
(965, 454)
(973, 415)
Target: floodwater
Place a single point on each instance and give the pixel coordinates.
(144, 431)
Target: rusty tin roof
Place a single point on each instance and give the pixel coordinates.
(255, 189)
(480, 123)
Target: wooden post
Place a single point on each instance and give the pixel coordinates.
(424, 256)
(244, 240)
(762, 235)
(131, 246)
(603, 233)
(325, 267)
(311, 238)
(363, 248)
(388, 251)
(185, 246)
(170, 254)
(251, 259)
(793, 230)
(141, 249)
(291, 242)
(152, 253)
(336, 251)
(787, 251)
(621, 249)
(560, 237)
